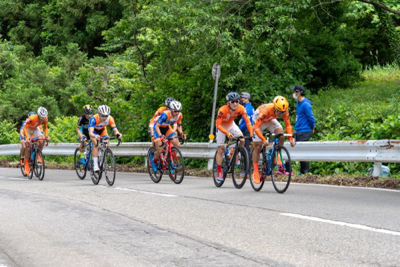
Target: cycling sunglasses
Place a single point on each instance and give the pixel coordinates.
(234, 101)
(104, 116)
(176, 111)
(280, 112)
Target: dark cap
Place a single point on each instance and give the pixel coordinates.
(245, 95)
(299, 88)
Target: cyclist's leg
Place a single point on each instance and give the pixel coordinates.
(276, 128)
(95, 151)
(22, 150)
(235, 130)
(157, 141)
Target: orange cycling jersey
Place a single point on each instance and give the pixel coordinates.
(97, 124)
(157, 115)
(225, 117)
(266, 114)
(166, 119)
(33, 122)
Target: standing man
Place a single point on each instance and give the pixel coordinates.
(305, 121)
(245, 101)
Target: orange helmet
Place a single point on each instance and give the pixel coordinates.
(280, 103)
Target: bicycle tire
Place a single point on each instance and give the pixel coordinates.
(22, 166)
(155, 176)
(240, 172)
(178, 173)
(109, 166)
(39, 167)
(281, 181)
(262, 167)
(96, 176)
(31, 166)
(80, 168)
(215, 171)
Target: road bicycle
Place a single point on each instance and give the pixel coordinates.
(106, 161)
(35, 166)
(235, 160)
(170, 160)
(81, 168)
(275, 163)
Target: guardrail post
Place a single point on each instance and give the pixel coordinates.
(377, 169)
(210, 164)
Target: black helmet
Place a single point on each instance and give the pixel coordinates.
(232, 96)
(87, 110)
(168, 101)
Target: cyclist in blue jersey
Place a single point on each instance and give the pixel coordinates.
(245, 102)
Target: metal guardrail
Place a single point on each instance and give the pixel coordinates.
(376, 151)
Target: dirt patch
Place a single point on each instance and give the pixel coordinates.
(361, 181)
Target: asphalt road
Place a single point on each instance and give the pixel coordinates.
(63, 221)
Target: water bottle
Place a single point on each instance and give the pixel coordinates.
(33, 155)
(237, 160)
(231, 153)
(269, 155)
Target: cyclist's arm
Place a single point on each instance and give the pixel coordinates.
(163, 117)
(92, 123)
(21, 134)
(26, 128)
(46, 128)
(78, 130)
(219, 122)
(257, 130)
(287, 125)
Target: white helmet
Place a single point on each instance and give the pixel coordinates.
(175, 105)
(104, 110)
(42, 112)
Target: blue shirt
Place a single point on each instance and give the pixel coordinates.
(249, 110)
(305, 121)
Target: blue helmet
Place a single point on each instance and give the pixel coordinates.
(31, 113)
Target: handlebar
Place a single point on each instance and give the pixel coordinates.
(108, 138)
(33, 140)
(164, 139)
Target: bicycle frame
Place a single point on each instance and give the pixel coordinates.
(166, 142)
(275, 148)
(228, 161)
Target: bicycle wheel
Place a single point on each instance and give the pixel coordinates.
(39, 166)
(79, 167)
(22, 166)
(155, 176)
(176, 167)
(281, 169)
(96, 176)
(240, 167)
(31, 166)
(109, 166)
(262, 167)
(215, 171)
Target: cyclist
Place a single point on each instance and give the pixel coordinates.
(98, 128)
(83, 130)
(32, 127)
(265, 117)
(156, 115)
(23, 139)
(226, 127)
(162, 127)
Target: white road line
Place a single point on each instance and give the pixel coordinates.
(350, 187)
(13, 178)
(144, 192)
(357, 226)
